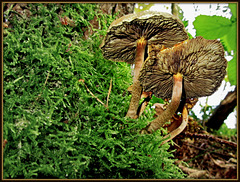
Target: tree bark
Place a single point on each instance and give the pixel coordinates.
(122, 8)
(174, 7)
(223, 110)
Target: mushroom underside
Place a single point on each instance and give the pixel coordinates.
(202, 64)
(120, 41)
(171, 109)
(200, 61)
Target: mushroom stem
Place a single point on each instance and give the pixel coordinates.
(141, 44)
(144, 104)
(171, 109)
(178, 130)
(136, 87)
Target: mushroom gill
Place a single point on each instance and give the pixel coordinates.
(201, 63)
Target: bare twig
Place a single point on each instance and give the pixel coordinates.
(81, 80)
(94, 95)
(211, 137)
(221, 163)
(46, 79)
(109, 91)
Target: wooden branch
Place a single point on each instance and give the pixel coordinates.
(82, 81)
(174, 8)
(223, 110)
(109, 91)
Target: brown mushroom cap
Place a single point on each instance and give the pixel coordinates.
(200, 61)
(156, 27)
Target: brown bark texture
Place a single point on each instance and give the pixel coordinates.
(223, 110)
(122, 8)
(175, 9)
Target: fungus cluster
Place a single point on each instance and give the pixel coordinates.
(201, 62)
(167, 63)
(191, 69)
(128, 38)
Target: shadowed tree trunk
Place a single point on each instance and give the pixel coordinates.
(223, 110)
(122, 8)
(175, 9)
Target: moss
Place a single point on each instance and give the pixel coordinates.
(54, 127)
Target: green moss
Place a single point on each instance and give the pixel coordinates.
(54, 127)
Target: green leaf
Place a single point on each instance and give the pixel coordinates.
(233, 7)
(211, 27)
(232, 70)
(156, 100)
(230, 39)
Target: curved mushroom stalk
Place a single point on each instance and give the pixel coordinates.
(133, 106)
(171, 109)
(178, 130)
(136, 87)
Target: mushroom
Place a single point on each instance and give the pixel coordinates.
(194, 67)
(127, 39)
(180, 128)
(174, 131)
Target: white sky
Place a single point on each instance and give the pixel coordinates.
(189, 13)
